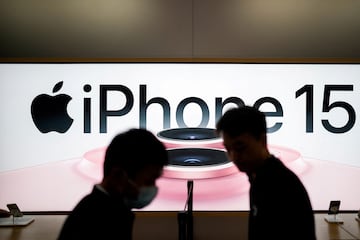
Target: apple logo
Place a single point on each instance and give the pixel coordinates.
(49, 113)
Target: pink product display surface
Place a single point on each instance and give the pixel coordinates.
(59, 186)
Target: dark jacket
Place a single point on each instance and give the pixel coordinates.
(98, 216)
(279, 205)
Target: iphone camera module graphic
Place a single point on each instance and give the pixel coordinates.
(195, 153)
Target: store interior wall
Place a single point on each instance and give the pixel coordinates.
(180, 29)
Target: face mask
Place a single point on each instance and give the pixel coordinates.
(145, 197)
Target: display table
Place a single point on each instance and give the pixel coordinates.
(350, 229)
(44, 227)
(163, 225)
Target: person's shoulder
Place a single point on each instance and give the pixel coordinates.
(279, 173)
(289, 179)
(276, 165)
(92, 200)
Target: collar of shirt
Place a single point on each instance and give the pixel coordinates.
(265, 167)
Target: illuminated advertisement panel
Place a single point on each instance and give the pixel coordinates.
(57, 120)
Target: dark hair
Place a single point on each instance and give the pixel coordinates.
(241, 120)
(134, 150)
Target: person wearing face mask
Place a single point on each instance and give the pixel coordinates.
(133, 161)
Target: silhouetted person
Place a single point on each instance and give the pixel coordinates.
(279, 204)
(133, 161)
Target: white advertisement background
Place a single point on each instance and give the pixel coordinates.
(23, 146)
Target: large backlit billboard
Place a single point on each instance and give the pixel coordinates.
(57, 119)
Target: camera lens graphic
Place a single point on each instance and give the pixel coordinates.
(196, 157)
(188, 134)
(195, 153)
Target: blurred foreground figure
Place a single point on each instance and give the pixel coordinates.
(133, 161)
(279, 204)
